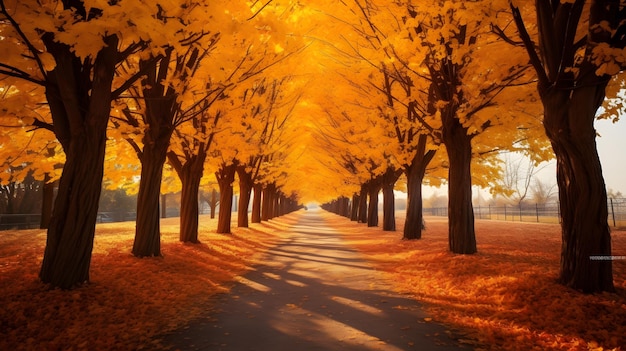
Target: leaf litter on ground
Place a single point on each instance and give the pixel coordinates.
(503, 298)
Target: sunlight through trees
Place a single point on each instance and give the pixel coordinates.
(282, 103)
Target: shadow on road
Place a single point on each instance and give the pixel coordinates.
(313, 292)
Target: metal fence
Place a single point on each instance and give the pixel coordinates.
(545, 213)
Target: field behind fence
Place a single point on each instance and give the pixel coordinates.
(540, 213)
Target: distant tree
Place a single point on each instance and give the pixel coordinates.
(543, 192)
(518, 177)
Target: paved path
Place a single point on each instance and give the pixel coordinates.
(313, 293)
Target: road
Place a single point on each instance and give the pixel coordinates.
(314, 292)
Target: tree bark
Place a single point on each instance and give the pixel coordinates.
(461, 234)
(213, 203)
(363, 203)
(160, 101)
(256, 204)
(389, 201)
(190, 176)
(586, 238)
(571, 99)
(268, 202)
(225, 178)
(372, 209)
(354, 215)
(47, 203)
(415, 172)
(80, 115)
(148, 229)
(245, 190)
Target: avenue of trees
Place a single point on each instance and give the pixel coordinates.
(287, 103)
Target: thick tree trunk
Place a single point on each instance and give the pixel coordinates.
(363, 203)
(415, 172)
(389, 201)
(586, 245)
(148, 229)
(69, 244)
(389, 208)
(163, 205)
(80, 115)
(344, 206)
(571, 99)
(189, 210)
(461, 234)
(245, 190)
(268, 202)
(372, 209)
(213, 203)
(255, 216)
(160, 101)
(275, 212)
(354, 215)
(225, 179)
(47, 202)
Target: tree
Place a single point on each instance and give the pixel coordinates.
(519, 174)
(451, 45)
(580, 47)
(76, 49)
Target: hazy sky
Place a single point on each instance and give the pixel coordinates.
(611, 148)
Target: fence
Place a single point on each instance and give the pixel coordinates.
(546, 213)
(19, 221)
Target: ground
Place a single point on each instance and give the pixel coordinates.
(503, 298)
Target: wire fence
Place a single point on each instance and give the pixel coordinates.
(539, 213)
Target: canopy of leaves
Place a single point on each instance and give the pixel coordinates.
(316, 97)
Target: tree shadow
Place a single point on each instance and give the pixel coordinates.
(309, 295)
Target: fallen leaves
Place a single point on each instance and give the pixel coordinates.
(129, 301)
(505, 296)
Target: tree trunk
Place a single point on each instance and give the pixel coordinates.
(275, 212)
(344, 206)
(256, 203)
(354, 215)
(363, 203)
(571, 99)
(245, 190)
(67, 256)
(415, 172)
(80, 120)
(47, 202)
(163, 205)
(389, 202)
(372, 209)
(268, 202)
(213, 203)
(148, 230)
(190, 176)
(568, 120)
(225, 178)
(160, 101)
(462, 238)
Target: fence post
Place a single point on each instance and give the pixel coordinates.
(613, 212)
